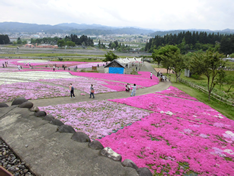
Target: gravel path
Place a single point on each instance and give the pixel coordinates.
(10, 161)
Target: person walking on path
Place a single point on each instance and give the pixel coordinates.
(133, 90)
(71, 88)
(91, 91)
(54, 68)
(151, 75)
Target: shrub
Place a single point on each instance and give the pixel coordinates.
(134, 72)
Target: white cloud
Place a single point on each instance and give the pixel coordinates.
(167, 14)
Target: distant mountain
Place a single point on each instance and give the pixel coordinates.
(84, 26)
(74, 28)
(162, 33)
(25, 27)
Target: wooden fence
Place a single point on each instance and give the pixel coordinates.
(213, 95)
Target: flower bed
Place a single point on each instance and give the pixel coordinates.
(140, 80)
(172, 146)
(30, 90)
(95, 118)
(88, 65)
(175, 92)
(81, 83)
(182, 136)
(34, 75)
(182, 108)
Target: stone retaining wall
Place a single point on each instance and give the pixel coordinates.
(51, 148)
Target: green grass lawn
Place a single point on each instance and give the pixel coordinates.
(12, 46)
(47, 55)
(223, 108)
(230, 64)
(52, 55)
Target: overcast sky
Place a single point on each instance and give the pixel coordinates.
(151, 14)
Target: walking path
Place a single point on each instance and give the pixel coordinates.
(105, 96)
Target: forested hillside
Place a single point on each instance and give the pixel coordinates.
(190, 41)
(4, 39)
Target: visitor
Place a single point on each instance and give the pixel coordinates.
(127, 87)
(54, 68)
(163, 78)
(71, 88)
(3, 66)
(133, 90)
(91, 91)
(136, 68)
(151, 75)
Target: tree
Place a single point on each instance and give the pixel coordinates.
(157, 57)
(19, 40)
(165, 55)
(229, 80)
(70, 43)
(61, 43)
(211, 65)
(177, 63)
(110, 56)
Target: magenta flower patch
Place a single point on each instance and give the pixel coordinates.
(175, 92)
(181, 136)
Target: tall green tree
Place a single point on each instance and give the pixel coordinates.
(110, 56)
(165, 55)
(70, 43)
(211, 64)
(19, 40)
(61, 43)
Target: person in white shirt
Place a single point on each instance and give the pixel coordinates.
(133, 90)
(151, 75)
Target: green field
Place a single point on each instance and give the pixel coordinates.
(230, 64)
(52, 55)
(46, 55)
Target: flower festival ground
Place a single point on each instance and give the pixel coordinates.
(167, 131)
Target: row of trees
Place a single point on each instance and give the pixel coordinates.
(83, 40)
(4, 39)
(45, 40)
(187, 41)
(209, 63)
(119, 46)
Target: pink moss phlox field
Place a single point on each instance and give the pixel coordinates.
(88, 65)
(186, 109)
(180, 131)
(143, 79)
(81, 83)
(95, 118)
(30, 90)
(175, 92)
(163, 141)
